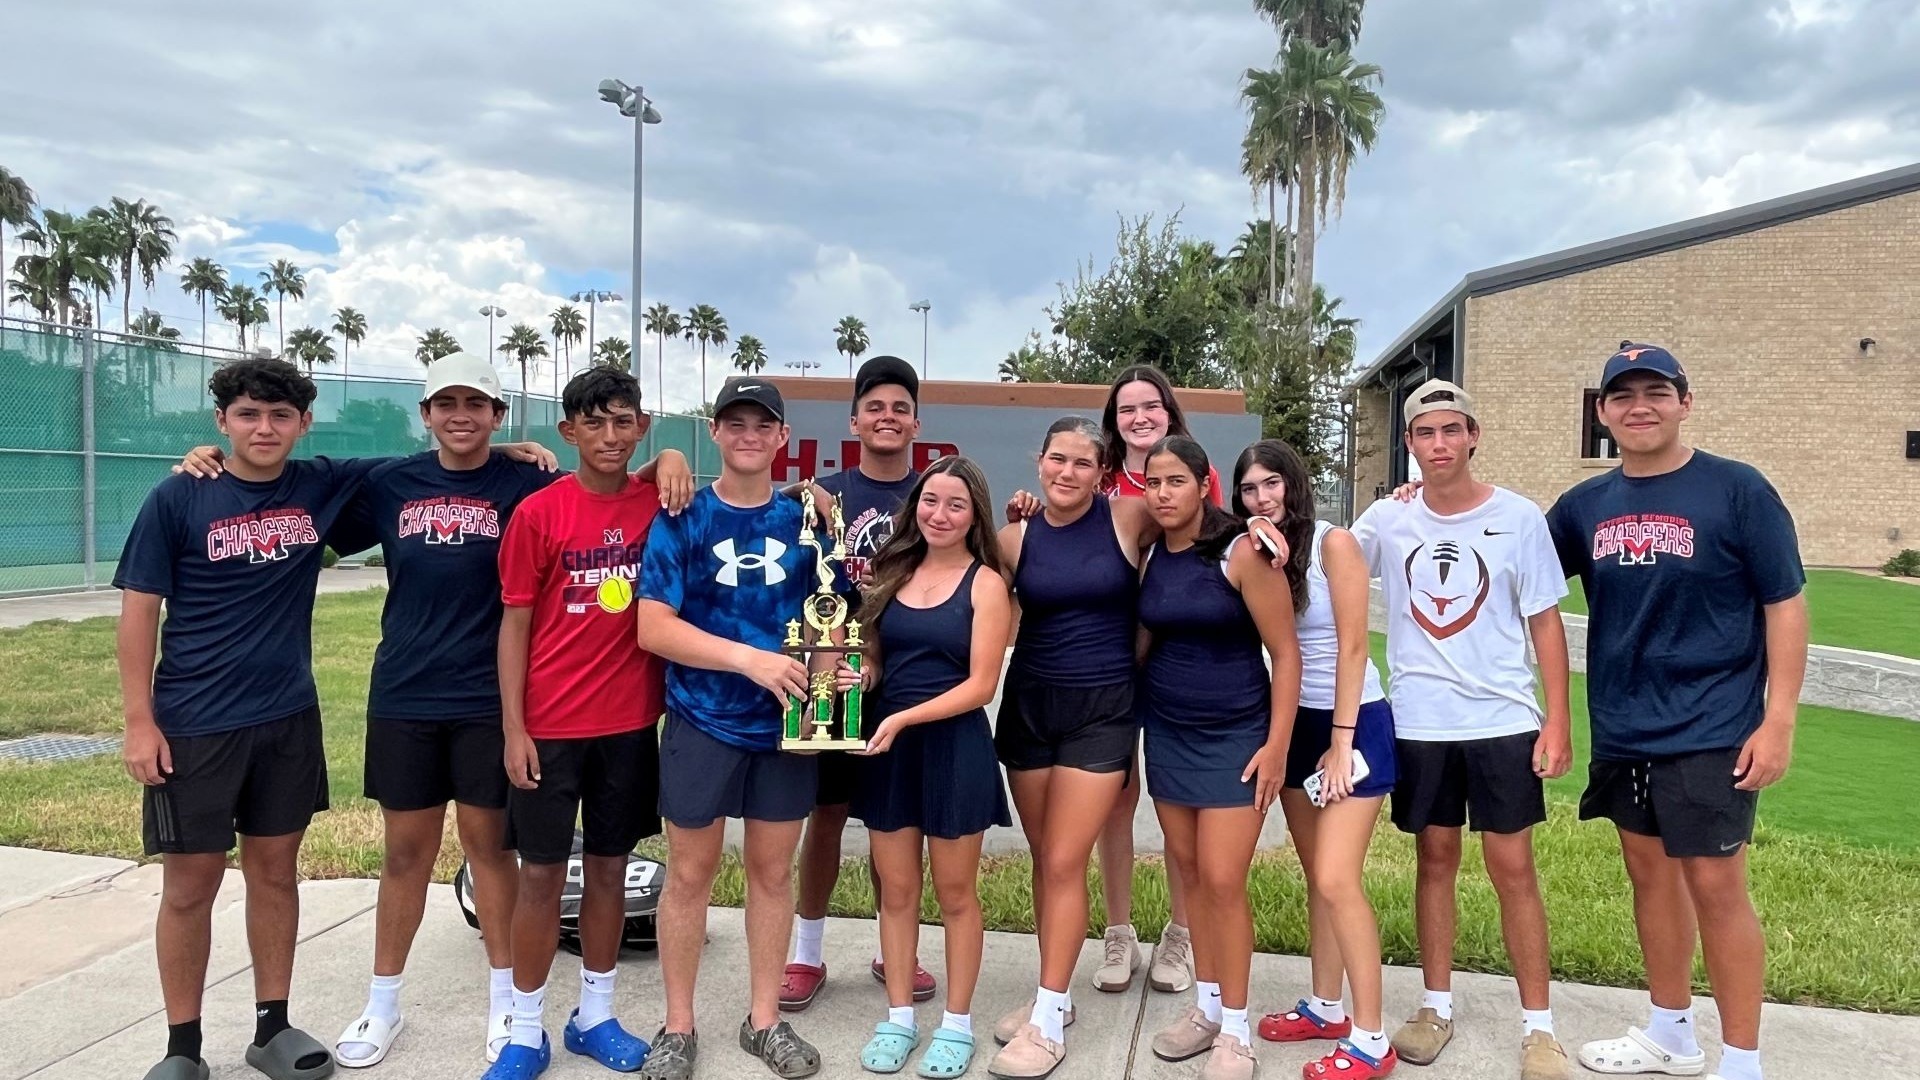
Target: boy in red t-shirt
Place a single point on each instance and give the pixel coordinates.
(579, 700)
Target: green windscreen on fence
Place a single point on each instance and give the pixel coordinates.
(150, 406)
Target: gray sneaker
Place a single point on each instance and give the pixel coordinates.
(672, 1056)
(781, 1048)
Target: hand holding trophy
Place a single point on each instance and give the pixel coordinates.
(828, 718)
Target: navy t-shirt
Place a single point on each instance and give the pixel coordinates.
(1677, 569)
(867, 508)
(439, 531)
(737, 573)
(237, 562)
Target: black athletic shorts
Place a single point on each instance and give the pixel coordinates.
(1486, 783)
(1041, 725)
(704, 780)
(424, 764)
(263, 780)
(839, 772)
(1689, 802)
(609, 783)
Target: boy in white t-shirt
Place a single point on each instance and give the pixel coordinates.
(1470, 575)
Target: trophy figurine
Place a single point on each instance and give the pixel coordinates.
(825, 719)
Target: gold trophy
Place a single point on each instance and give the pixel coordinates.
(825, 719)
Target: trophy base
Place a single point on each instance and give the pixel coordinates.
(804, 746)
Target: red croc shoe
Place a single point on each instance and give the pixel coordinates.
(923, 985)
(1299, 1024)
(800, 986)
(1349, 1064)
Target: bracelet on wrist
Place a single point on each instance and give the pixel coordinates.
(1345, 727)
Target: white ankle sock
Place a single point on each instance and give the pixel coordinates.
(1371, 1043)
(902, 1015)
(527, 1009)
(1234, 1022)
(596, 999)
(1738, 1064)
(383, 997)
(1206, 998)
(960, 1022)
(499, 991)
(808, 934)
(1440, 1001)
(1673, 1030)
(1332, 1010)
(1050, 1013)
(1532, 1020)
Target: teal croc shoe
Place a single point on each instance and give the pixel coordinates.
(949, 1054)
(888, 1050)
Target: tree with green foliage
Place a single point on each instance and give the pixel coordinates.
(203, 278)
(706, 325)
(17, 201)
(749, 354)
(1317, 22)
(240, 305)
(850, 340)
(351, 325)
(433, 345)
(283, 279)
(141, 238)
(524, 343)
(74, 253)
(613, 352)
(148, 324)
(310, 345)
(662, 322)
(568, 326)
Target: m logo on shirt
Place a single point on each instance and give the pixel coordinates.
(1640, 539)
(614, 536)
(449, 520)
(262, 538)
(732, 562)
(1443, 596)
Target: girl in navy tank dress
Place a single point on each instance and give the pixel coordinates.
(1217, 727)
(1343, 710)
(938, 615)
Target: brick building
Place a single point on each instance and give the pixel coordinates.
(1798, 320)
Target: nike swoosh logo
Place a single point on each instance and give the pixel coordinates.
(1730, 847)
(1490, 532)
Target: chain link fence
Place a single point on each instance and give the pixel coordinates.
(91, 420)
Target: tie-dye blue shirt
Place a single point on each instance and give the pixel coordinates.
(737, 573)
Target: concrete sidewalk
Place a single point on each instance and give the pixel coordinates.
(83, 929)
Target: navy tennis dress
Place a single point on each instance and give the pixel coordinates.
(1205, 694)
(940, 777)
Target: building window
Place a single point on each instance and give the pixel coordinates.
(1595, 440)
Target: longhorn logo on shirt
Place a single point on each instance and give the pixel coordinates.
(732, 562)
(262, 538)
(1443, 596)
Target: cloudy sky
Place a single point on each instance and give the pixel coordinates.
(830, 157)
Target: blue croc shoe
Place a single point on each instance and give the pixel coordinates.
(518, 1062)
(607, 1043)
(888, 1050)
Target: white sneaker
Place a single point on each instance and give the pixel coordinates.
(1120, 959)
(1170, 970)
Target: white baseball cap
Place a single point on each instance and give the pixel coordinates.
(463, 370)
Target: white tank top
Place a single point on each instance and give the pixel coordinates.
(1319, 647)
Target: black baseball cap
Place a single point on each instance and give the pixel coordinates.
(754, 391)
(882, 370)
(1634, 357)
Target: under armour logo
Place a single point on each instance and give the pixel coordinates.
(768, 564)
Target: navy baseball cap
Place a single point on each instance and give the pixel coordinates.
(749, 390)
(1636, 357)
(884, 370)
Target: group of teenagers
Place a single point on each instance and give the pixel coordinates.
(577, 660)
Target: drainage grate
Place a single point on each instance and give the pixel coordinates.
(58, 747)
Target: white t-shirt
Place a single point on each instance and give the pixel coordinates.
(1319, 644)
(1458, 591)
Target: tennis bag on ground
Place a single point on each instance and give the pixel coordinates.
(645, 878)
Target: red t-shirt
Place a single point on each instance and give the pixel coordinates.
(1124, 484)
(573, 556)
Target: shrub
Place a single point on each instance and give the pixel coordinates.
(328, 558)
(377, 559)
(1905, 564)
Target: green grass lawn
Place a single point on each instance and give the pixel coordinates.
(1848, 610)
(1835, 863)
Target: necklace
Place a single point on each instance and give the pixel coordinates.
(925, 591)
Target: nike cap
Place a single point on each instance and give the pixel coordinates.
(885, 370)
(1634, 357)
(463, 371)
(750, 390)
(1438, 395)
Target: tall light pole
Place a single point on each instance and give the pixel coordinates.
(492, 312)
(633, 103)
(804, 366)
(591, 297)
(922, 306)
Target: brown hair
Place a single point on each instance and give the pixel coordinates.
(903, 552)
(1297, 511)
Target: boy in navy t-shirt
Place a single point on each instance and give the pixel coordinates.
(885, 418)
(225, 732)
(1696, 647)
(719, 583)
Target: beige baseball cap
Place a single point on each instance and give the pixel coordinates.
(1446, 397)
(463, 370)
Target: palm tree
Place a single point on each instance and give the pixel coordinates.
(613, 352)
(705, 325)
(34, 287)
(1317, 22)
(203, 278)
(142, 237)
(569, 326)
(16, 207)
(850, 337)
(749, 354)
(74, 255)
(285, 279)
(149, 324)
(240, 305)
(310, 345)
(434, 344)
(662, 322)
(352, 328)
(524, 342)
